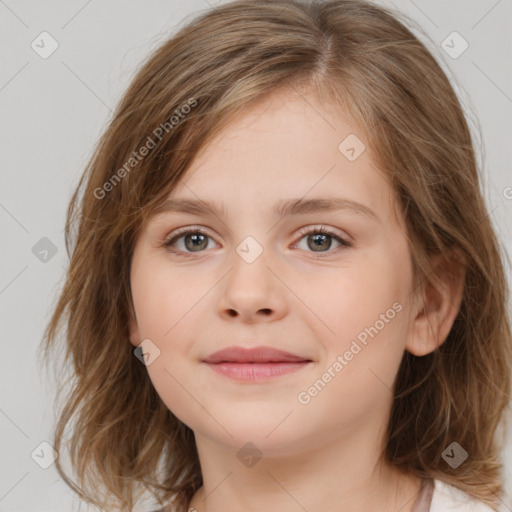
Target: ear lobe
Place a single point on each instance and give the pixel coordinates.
(438, 304)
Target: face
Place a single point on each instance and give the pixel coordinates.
(248, 276)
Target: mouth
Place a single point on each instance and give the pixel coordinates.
(259, 363)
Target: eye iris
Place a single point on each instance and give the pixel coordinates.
(198, 241)
(318, 239)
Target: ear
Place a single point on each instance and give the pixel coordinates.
(437, 303)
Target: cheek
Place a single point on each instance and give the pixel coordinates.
(163, 298)
(355, 379)
(164, 301)
(354, 298)
(366, 314)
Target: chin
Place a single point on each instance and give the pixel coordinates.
(268, 433)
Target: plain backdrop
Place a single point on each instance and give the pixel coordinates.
(54, 109)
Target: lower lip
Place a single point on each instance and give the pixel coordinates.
(256, 371)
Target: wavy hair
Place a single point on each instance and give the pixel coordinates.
(123, 439)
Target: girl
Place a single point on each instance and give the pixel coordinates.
(284, 290)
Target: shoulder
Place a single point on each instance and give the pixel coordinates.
(447, 498)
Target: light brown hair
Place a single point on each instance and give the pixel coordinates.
(123, 438)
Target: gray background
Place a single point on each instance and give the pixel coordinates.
(53, 110)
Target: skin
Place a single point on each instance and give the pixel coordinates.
(323, 455)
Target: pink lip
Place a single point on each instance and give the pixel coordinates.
(259, 363)
(253, 355)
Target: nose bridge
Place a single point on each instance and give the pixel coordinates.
(250, 249)
(250, 266)
(251, 289)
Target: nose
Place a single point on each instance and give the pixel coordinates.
(252, 292)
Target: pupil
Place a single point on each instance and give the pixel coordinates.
(196, 240)
(317, 242)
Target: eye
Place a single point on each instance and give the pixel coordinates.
(196, 240)
(321, 239)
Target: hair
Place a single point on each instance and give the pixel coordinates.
(123, 438)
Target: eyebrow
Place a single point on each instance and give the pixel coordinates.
(282, 208)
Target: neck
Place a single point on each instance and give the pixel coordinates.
(334, 476)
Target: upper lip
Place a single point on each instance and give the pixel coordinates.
(253, 355)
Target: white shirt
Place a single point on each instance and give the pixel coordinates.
(447, 498)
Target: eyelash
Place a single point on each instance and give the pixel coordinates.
(345, 244)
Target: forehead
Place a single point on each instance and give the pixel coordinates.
(286, 145)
